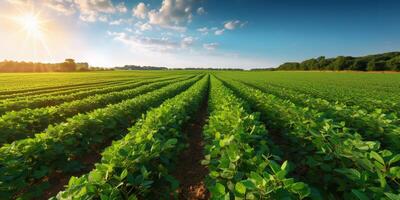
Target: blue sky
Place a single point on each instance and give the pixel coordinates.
(196, 33)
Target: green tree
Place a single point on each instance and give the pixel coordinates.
(68, 65)
(374, 65)
(359, 65)
(394, 64)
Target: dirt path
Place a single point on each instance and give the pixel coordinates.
(189, 171)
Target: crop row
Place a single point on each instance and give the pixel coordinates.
(24, 163)
(24, 123)
(47, 92)
(371, 125)
(369, 91)
(60, 86)
(367, 98)
(327, 153)
(238, 153)
(58, 99)
(130, 167)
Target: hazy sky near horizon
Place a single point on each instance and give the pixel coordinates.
(195, 33)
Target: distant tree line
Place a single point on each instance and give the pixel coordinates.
(137, 67)
(225, 69)
(378, 62)
(68, 65)
(262, 69)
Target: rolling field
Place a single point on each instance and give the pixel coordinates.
(200, 135)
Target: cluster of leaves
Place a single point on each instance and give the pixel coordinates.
(378, 62)
(24, 123)
(334, 157)
(374, 125)
(130, 166)
(24, 163)
(38, 102)
(238, 153)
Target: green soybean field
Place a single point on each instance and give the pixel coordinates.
(182, 134)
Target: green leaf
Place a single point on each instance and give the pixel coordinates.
(214, 174)
(274, 166)
(249, 184)
(123, 152)
(256, 178)
(240, 188)
(395, 171)
(360, 195)
(392, 196)
(377, 157)
(351, 173)
(298, 186)
(95, 176)
(219, 189)
(394, 159)
(171, 142)
(284, 165)
(123, 174)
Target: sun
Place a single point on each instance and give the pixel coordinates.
(31, 24)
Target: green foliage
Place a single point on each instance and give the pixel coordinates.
(59, 146)
(238, 154)
(378, 62)
(330, 135)
(334, 155)
(25, 123)
(130, 166)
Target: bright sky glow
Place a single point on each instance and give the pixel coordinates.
(195, 33)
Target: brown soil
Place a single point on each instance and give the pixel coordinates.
(189, 171)
(59, 179)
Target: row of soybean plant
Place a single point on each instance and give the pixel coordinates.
(57, 91)
(55, 99)
(374, 125)
(329, 155)
(24, 164)
(131, 167)
(25, 123)
(239, 155)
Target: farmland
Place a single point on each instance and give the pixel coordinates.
(200, 135)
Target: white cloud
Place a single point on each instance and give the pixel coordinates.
(93, 10)
(117, 22)
(172, 14)
(203, 30)
(187, 41)
(233, 24)
(230, 25)
(102, 18)
(105, 6)
(66, 7)
(219, 32)
(143, 26)
(139, 42)
(121, 21)
(121, 7)
(140, 10)
(210, 46)
(201, 11)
